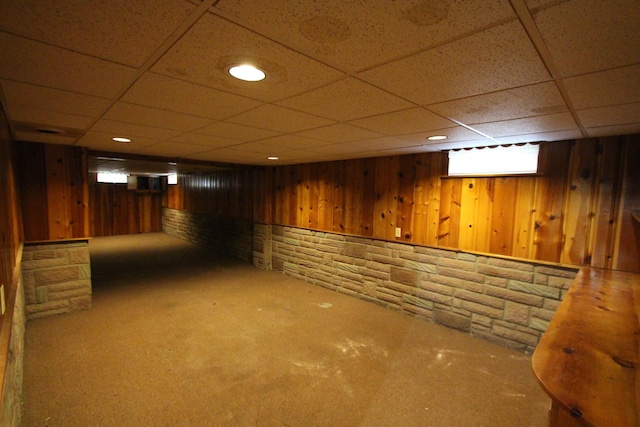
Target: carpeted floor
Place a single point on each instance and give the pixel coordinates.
(180, 336)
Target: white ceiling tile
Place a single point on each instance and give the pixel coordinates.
(610, 116)
(40, 97)
(383, 143)
(339, 132)
(561, 135)
(42, 64)
(236, 131)
(453, 134)
(533, 5)
(619, 86)
(550, 122)
(346, 99)
(407, 150)
(118, 30)
(130, 130)
(614, 130)
(213, 44)
(591, 35)
(526, 101)
(358, 35)
(227, 155)
(413, 120)
(205, 140)
(101, 141)
(279, 119)
(162, 92)
(293, 142)
(131, 113)
(454, 145)
(337, 149)
(260, 148)
(49, 118)
(499, 58)
(45, 138)
(173, 149)
(470, 61)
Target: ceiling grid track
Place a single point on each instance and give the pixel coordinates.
(524, 15)
(158, 53)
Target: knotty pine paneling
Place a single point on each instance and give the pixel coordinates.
(54, 191)
(10, 215)
(626, 255)
(565, 214)
(579, 210)
(116, 210)
(225, 193)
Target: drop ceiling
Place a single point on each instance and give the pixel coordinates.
(344, 79)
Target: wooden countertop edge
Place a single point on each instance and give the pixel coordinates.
(586, 367)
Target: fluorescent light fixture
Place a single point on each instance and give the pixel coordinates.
(247, 73)
(112, 178)
(172, 178)
(437, 137)
(120, 139)
(510, 160)
(272, 158)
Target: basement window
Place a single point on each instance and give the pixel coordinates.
(499, 160)
(112, 178)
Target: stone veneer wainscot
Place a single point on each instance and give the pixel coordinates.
(503, 300)
(57, 277)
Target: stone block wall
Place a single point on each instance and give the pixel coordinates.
(57, 278)
(506, 301)
(10, 412)
(226, 235)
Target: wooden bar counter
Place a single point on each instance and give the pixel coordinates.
(587, 359)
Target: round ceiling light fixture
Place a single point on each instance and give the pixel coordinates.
(437, 137)
(120, 139)
(246, 72)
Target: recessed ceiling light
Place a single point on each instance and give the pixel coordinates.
(437, 137)
(272, 158)
(123, 140)
(247, 73)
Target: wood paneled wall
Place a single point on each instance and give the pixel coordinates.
(10, 215)
(54, 191)
(226, 193)
(579, 211)
(116, 210)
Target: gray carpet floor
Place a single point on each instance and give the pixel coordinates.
(181, 336)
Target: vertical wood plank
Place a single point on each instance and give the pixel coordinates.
(523, 221)
(420, 219)
(577, 210)
(484, 213)
(437, 167)
(449, 222)
(338, 197)
(502, 219)
(57, 192)
(368, 197)
(326, 177)
(468, 213)
(627, 254)
(314, 189)
(608, 190)
(549, 200)
(33, 190)
(406, 183)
